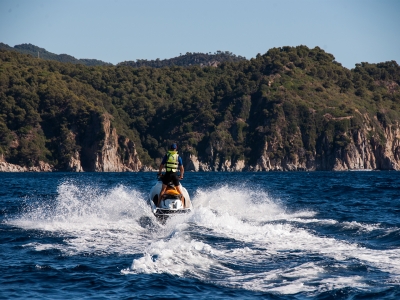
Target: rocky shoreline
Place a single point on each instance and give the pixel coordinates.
(364, 151)
(42, 167)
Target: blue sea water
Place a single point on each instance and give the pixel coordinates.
(274, 235)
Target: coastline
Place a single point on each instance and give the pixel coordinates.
(47, 168)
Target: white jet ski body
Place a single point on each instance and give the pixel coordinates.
(171, 204)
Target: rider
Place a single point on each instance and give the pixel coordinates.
(172, 161)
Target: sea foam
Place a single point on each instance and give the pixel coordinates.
(235, 237)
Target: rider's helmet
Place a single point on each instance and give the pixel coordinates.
(173, 147)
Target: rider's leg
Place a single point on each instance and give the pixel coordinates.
(178, 187)
(163, 189)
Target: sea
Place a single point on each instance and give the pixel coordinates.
(262, 235)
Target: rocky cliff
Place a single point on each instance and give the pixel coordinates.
(102, 150)
(372, 147)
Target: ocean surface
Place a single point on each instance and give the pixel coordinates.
(273, 235)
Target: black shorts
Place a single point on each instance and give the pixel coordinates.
(170, 177)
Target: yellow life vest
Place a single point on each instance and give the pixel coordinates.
(172, 161)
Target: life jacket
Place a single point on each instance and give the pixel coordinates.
(172, 161)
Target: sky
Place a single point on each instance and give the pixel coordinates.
(114, 31)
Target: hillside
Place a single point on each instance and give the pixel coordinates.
(293, 108)
(186, 60)
(36, 51)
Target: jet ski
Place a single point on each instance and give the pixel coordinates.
(172, 202)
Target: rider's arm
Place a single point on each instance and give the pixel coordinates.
(182, 171)
(160, 169)
(162, 165)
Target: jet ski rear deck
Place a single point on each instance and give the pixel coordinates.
(171, 204)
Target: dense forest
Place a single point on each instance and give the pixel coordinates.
(291, 98)
(186, 60)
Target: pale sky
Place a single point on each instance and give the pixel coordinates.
(118, 30)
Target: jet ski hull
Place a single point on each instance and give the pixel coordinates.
(171, 204)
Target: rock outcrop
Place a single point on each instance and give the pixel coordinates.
(104, 150)
(74, 164)
(8, 167)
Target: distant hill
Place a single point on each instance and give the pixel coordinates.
(292, 108)
(36, 51)
(188, 59)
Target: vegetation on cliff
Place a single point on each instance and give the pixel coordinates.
(298, 100)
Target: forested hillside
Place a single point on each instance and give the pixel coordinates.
(186, 60)
(293, 108)
(42, 53)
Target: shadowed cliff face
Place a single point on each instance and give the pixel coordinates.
(104, 151)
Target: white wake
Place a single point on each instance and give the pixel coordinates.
(235, 237)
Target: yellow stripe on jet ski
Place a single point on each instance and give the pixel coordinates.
(172, 192)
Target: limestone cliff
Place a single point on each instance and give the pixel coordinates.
(374, 146)
(103, 150)
(365, 149)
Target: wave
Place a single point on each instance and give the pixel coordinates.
(241, 238)
(236, 236)
(91, 220)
